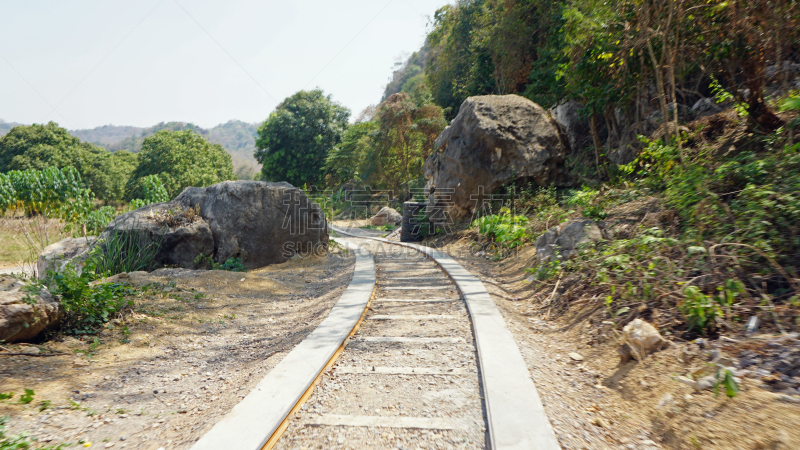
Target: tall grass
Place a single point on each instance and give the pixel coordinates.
(125, 251)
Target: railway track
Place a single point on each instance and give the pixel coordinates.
(408, 378)
(414, 355)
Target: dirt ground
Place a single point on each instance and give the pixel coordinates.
(196, 343)
(600, 403)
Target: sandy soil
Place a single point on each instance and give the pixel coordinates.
(601, 403)
(197, 342)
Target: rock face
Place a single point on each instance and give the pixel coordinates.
(25, 313)
(563, 241)
(494, 140)
(70, 251)
(261, 223)
(386, 216)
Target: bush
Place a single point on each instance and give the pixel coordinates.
(87, 307)
(232, 265)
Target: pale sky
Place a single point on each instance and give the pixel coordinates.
(88, 63)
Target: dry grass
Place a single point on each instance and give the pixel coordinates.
(23, 238)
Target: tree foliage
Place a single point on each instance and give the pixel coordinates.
(294, 142)
(37, 147)
(53, 193)
(180, 159)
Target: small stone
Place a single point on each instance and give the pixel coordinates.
(665, 401)
(576, 356)
(600, 422)
(109, 445)
(705, 383)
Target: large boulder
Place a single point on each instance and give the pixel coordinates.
(182, 234)
(68, 252)
(563, 241)
(26, 310)
(386, 216)
(261, 223)
(493, 140)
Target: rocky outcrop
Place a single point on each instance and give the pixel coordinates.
(26, 310)
(494, 140)
(68, 252)
(386, 216)
(261, 223)
(563, 241)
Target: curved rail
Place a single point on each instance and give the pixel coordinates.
(515, 415)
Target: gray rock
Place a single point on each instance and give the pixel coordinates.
(493, 140)
(575, 127)
(704, 383)
(183, 235)
(23, 313)
(68, 252)
(386, 216)
(563, 241)
(261, 223)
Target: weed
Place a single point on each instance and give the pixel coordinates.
(546, 271)
(7, 396)
(726, 380)
(45, 404)
(505, 228)
(589, 202)
(699, 309)
(231, 264)
(27, 397)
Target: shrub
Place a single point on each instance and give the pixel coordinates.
(87, 307)
(590, 203)
(153, 190)
(505, 228)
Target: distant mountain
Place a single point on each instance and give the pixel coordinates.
(6, 126)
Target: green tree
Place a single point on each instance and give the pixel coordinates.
(404, 138)
(180, 159)
(294, 141)
(40, 146)
(348, 160)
